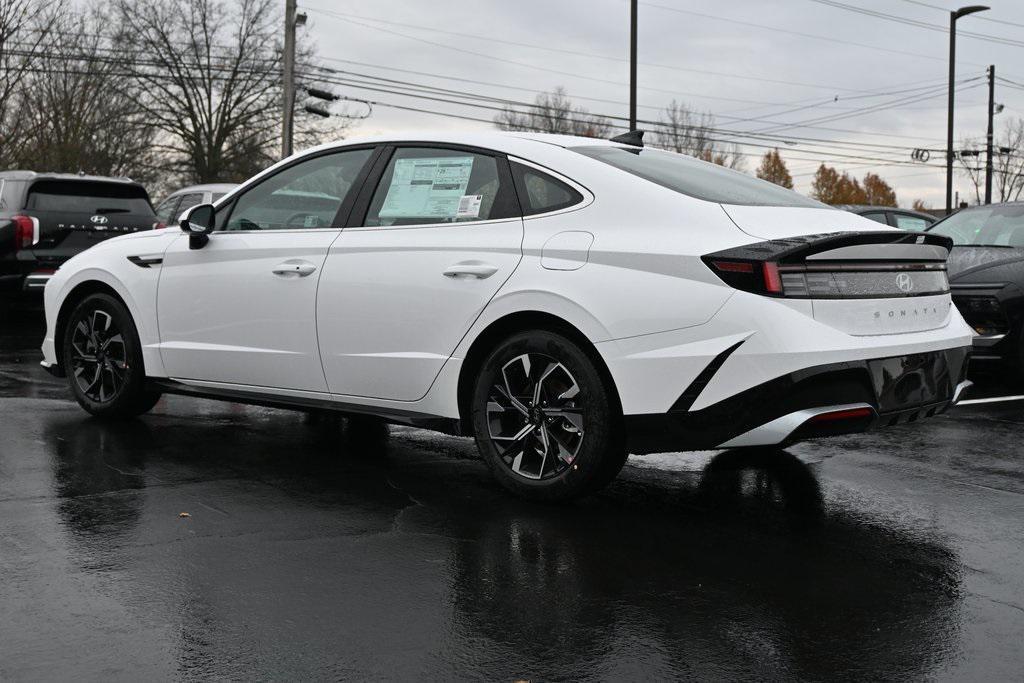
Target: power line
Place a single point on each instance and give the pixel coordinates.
(829, 39)
(919, 24)
(429, 92)
(483, 55)
(1001, 22)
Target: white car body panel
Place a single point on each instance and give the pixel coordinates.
(225, 316)
(780, 222)
(388, 315)
(379, 327)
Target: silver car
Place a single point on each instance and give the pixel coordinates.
(178, 202)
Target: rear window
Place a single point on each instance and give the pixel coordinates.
(88, 197)
(985, 226)
(696, 178)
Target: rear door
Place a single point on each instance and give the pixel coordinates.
(74, 215)
(429, 244)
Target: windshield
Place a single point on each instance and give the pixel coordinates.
(695, 178)
(1000, 225)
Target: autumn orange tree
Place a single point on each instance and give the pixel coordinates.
(831, 187)
(773, 169)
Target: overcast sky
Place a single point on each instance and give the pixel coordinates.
(754, 64)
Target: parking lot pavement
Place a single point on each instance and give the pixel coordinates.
(309, 551)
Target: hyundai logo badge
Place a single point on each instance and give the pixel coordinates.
(98, 220)
(904, 282)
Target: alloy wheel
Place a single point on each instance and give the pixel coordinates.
(99, 358)
(534, 417)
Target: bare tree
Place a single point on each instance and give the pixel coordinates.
(211, 71)
(554, 113)
(25, 25)
(1007, 163)
(687, 132)
(80, 111)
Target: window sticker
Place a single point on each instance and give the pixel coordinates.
(428, 188)
(469, 206)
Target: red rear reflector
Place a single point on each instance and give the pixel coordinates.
(734, 266)
(772, 281)
(851, 414)
(25, 232)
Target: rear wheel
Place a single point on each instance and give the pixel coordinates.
(545, 420)
(103, 359)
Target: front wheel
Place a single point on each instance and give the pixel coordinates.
(545, 420)
(103, 359)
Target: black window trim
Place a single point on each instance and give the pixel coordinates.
(586, 194)
(172, 217)
(357, 217)
(344, 210)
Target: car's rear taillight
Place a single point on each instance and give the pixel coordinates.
(159, 225)
(837, 266)
(751, 276)
(26, 231)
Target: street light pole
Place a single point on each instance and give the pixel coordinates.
(953, 16)
(632, 64)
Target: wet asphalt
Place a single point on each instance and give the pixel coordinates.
(318, 550)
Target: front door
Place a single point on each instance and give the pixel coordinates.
(242, 309)
(431, 243)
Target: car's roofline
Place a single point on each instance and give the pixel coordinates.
(36, 175)
(206, 187)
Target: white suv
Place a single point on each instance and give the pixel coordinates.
(564, 300)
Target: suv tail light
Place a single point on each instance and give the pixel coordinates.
(26, 231)
(159, 225)
(838, 266)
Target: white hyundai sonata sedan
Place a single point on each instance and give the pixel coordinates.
(564, 300)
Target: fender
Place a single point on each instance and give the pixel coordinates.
(137, 286)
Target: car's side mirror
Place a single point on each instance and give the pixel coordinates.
(198, 222)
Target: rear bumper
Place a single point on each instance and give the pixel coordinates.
(871, 393)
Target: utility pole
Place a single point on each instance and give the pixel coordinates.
(988, 135)
(632, 64)
(288, 98)
(953, 16)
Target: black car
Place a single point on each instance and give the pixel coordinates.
(986, 277)
(904, 219)
(46, 218)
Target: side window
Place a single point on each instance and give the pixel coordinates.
(905, 222)
(167, 212)
(540, 193)
(424, 185)
(306, 195)
(187, 202)
(877, 216)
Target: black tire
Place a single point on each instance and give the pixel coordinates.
(102, 357)
(569, 441)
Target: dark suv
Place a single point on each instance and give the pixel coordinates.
(46, 218)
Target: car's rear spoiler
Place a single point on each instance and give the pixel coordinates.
(845, 246)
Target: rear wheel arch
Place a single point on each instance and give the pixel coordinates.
(506, 326)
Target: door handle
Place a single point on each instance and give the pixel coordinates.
(467, 269)
(294, 269)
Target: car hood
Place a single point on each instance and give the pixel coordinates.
(779, 222)
(964, 261)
